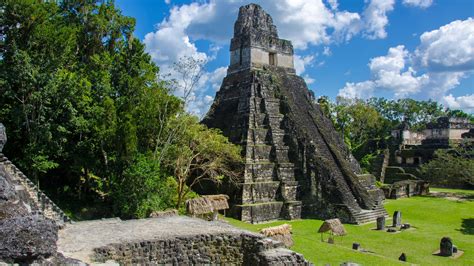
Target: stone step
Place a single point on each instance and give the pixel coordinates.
(259, 152)
(260, 192)
(263, 170)
(261, 212)
(289, 191)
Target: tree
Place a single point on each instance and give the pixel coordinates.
(143, 189)
(79, 96)
(453, 167)
(201, 154)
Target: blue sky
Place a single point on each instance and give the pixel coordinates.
(391, 48)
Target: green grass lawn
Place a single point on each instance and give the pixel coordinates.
(432, 219)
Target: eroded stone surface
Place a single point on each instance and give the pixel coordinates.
(27, 238)
(179, 240)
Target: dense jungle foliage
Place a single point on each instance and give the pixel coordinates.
(87, 117)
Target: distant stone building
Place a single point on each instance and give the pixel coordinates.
(296, 164)
(413, 148)
(447, 130)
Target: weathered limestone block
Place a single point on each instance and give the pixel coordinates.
(24, 239)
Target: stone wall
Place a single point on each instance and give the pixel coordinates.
(36, 200)
(406, 188)
(237, 249)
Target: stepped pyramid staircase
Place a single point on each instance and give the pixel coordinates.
(269, 186)
(38, 201)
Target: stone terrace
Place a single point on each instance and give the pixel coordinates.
(176, 240)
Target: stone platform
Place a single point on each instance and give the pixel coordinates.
(170, 240)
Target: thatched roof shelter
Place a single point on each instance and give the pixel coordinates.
(207, 204)
(333, 226)
(280, 233)
(283, 229)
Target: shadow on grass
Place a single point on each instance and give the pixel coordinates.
(467, 226)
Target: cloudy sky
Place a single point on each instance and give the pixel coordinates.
(421, 49)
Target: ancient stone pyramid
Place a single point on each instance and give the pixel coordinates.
(296, 164)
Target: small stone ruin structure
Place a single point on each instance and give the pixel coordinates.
(280, 233)
(412, 148)
(26, 197)
(207, 204)
(439, 134)
(296, 164)
(406, 188)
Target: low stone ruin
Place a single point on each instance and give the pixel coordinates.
(178, 240)
(406, 188)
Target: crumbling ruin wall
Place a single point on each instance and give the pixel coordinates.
(237, 249)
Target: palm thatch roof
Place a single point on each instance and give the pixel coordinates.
(333, 225)
(207, 204)
(283, 229)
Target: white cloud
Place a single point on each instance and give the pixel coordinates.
(450, 47)
(327, 51)
(301, 62)
(465, 102)
(358, 90)
(168, 2)
(388, 72)
(170, 42)
(216, 77)
(375, 18)
(443, 57)
(418, 3)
